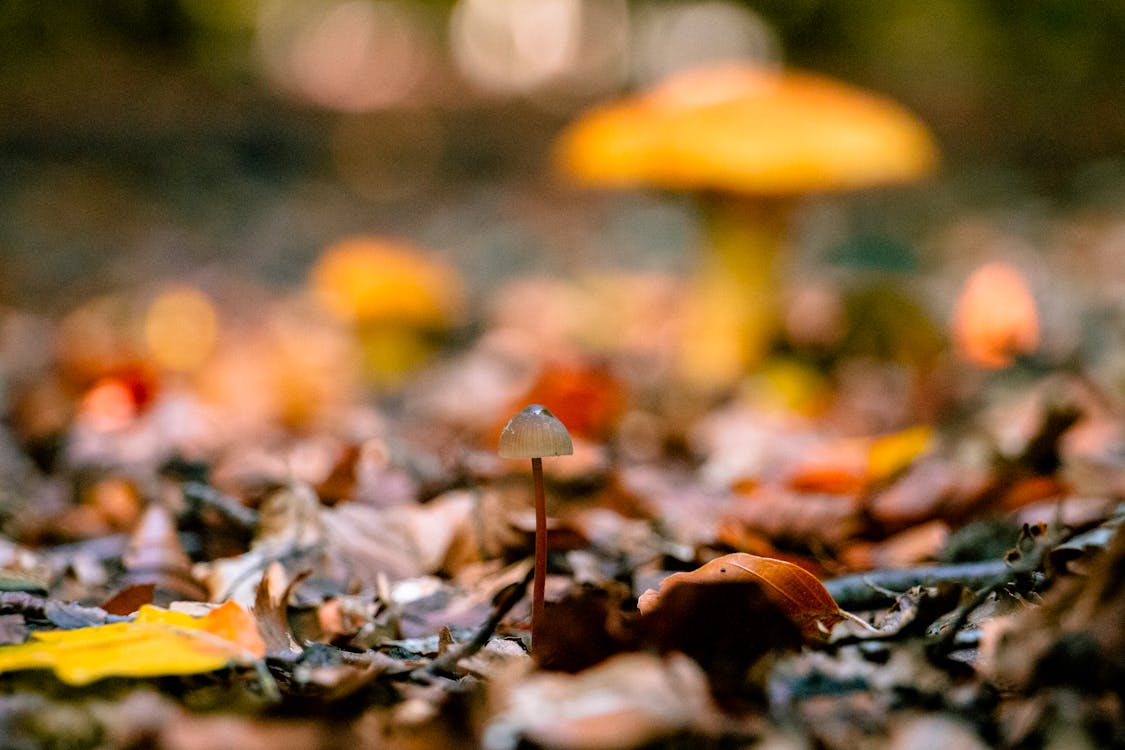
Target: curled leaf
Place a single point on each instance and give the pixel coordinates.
(793, 589)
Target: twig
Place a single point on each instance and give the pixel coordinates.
(502, 603)
(879, 588)
(230, 507)
(1029, 556)
(62, 615)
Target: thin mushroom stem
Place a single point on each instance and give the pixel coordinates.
(538, 592)
(533, 433)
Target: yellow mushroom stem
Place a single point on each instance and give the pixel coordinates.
(732, 312)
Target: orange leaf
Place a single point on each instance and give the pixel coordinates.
(232, 623)
(793, 589)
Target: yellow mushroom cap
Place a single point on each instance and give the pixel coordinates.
(371, 279)
(533, 433)
(743, 129)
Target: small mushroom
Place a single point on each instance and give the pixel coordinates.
(749, 141)
(533, 433)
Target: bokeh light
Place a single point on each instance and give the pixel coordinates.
(110, 405)
(352, 56)
(180, 327)
(576, 48)
(677, 36)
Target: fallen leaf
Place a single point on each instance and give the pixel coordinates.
(13, 629)
(271, 606)
(912, 545)
(583, 628)
(587, 398)
(793, 589)
(232, 623)
(890, 454)
(290, 528)
(626, 701)
(129, 599)
(732, 629)
(159, 642)
(785, 515)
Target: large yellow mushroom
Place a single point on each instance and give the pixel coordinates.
(750, 141)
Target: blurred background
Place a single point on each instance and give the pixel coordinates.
(168, 168)
(141, 139)
(312, 235)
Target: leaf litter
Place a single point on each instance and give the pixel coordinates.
(734, 574)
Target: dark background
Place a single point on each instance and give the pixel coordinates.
(140, 139)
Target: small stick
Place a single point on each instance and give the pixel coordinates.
(501, 604)
(878, 588)
(229, 507)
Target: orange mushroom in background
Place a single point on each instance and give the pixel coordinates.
(399, 298)
(750, 141)
(995, 318)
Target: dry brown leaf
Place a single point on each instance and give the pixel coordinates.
(129, 599)
(626, 701)
(912, 545)
(290, 529)
(404, 541)
(785, 515)
(793, 589)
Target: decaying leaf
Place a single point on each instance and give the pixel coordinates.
(271, 602)
(154, 556)
(732, 629)
(626, 701)
(290, 529)
(1075, 638)
(583, 628)
(403, 541)
(159, 642)
(793, 589)
(13, 629)
(129, 599)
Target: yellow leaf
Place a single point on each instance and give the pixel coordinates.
(892, 453)
(158, 616)
(157, 643)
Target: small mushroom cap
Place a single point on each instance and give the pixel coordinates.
(533, 433)
(748, 130)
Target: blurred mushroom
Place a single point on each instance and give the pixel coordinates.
(995, 318)
(399, 298)
(750, 141)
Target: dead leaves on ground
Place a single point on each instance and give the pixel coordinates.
(371, 569)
